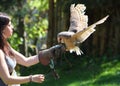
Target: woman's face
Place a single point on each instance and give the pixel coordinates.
(8, 30)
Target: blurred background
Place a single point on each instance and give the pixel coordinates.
(36, 25)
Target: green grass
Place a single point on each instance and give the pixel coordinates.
(82, 73)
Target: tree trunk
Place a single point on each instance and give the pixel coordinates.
(20, 27)
(51, 26)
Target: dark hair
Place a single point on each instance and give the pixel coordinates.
(4, 20)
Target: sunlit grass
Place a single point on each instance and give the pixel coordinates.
(105, 74)
(110, 76)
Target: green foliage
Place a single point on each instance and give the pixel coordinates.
(15, 41)
(34, 14)
(6, 4)
(36, 22)
(41, 5)
(36, 29)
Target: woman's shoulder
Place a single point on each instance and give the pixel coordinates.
(1, 53)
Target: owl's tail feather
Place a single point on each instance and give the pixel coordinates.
(77, 50)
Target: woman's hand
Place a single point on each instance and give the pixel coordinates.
(38, 78)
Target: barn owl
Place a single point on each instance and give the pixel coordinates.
(78, 30)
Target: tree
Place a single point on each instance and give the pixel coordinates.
(51, 26)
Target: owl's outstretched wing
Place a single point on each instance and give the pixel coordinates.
(81, 36)
(78, 19)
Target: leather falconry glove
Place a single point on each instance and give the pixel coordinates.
(54, 52)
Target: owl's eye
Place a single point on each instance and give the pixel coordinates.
(60, 39)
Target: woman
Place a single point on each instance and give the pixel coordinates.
(10, 57)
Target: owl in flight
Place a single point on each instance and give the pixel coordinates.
(79, 30)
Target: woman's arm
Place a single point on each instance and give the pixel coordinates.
(8, 79)
(4, 72)
(25, 61)
(43, 57)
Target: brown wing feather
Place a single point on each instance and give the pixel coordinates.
(78, 21)
(83, 35)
